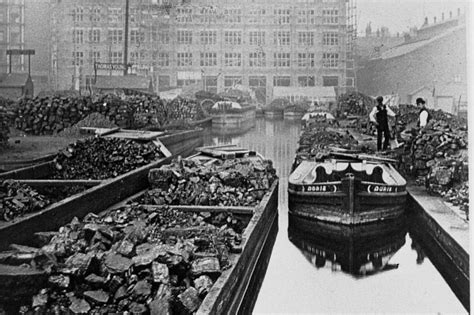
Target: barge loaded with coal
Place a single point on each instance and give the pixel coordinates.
(185, 237)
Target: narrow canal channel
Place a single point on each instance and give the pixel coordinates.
(303, 275)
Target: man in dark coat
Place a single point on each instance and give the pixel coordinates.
(379, 116)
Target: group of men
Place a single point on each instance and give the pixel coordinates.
(379, 116)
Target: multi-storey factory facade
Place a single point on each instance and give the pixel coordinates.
(216, 43)
(12, 34)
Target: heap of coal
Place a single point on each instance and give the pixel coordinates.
(102, 158)
(236, 182)
(17, 199)
(130, 259)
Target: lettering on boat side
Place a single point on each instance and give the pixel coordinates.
(320, 188)
(374, 188)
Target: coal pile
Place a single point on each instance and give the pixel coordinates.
(51, 114)
(92, 120)
(160, 113)
(17, 200)
(102, 158)
(4, 127)
(131, 260)
(355, 103)
(237, 182)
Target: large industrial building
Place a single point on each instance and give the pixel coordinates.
(12, 34)
(214, 43)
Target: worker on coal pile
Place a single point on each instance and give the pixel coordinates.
(424, 115)
(379, 116)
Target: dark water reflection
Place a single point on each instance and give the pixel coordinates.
(402, 277)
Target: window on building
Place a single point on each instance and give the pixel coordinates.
(208, 59)
(330, 60)
(230, 81)
(306, 38)
(232, 15)
(186, 82)
(330, 39)
(306, 81)
(94, 36)
(95, 14)
(306, 60)
(185, 37)
(164, 81)
(94, 56)
(78, 36)
(163, 59)
(281, 81)
(184, 15)
(257, 59)
(330, 81)
(350, 82)
(233, 37)
(257, 38)
(116, 57)
(330, 1)
(281, 38)
(330, 16)
(115, 15)
(163, 37)
(116, 36)
(210, 84)
(232, 59)
(281, 60)
(185, 59)
(208, 37)
(306, 17)
(208, 16)
(2, 36)
(78, 14)
(281, 16)
(77, 58)
(136, 37)
(256, 16)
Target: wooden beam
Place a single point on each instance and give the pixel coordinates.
(212, 209)
(60, 182)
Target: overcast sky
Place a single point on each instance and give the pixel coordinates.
(399, 15)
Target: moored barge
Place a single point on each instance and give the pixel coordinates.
(231, 117)
(347, 189)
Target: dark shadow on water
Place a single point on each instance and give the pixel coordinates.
(360, 251)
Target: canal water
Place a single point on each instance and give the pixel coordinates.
(319, 269)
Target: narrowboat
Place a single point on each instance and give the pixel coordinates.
(234, 290)
(347, 188)
(360, 251)
(231, 117)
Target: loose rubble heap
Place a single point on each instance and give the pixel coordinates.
(238, 182)
(102, 158)
(51, 114)
(279, 104)
(130, 260)
(355, 103)
(17, 199)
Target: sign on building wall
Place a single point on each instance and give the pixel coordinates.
(189, 75)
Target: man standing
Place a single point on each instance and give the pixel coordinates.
(424, 116)
(379, 116)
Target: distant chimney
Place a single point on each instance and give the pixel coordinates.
(459, 11)
(426, 21)
(442, 16)
(450, 14)
(434, 20)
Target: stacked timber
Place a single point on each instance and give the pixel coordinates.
(102, 158)
(18, 199)
(239, 182)
(129, 260)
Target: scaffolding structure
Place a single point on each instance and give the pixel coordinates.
(12, 34)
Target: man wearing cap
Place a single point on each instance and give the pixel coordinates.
(424, 116)
(379, 116)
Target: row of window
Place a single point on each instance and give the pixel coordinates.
(209, 15)
(210, 82)
(208, 37)
(209, 59)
